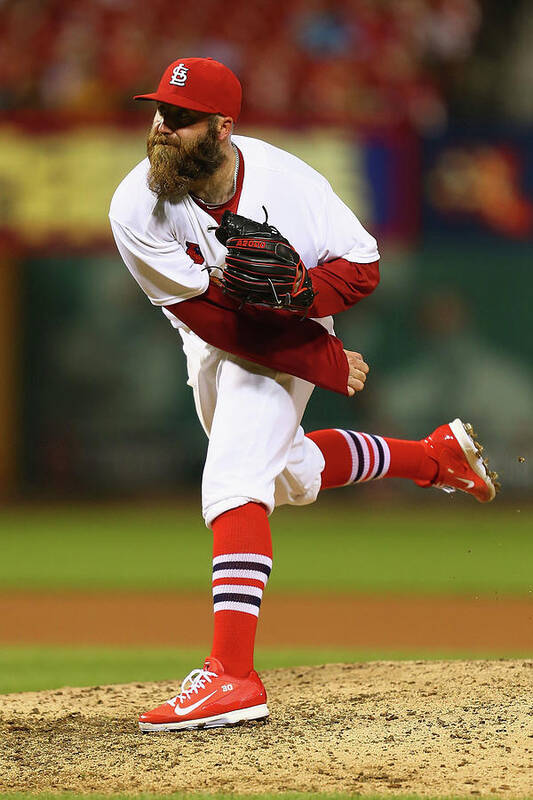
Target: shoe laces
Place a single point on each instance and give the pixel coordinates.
(196, 679)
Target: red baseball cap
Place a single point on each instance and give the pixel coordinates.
(202, 84)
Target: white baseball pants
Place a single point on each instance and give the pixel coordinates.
(257, 449)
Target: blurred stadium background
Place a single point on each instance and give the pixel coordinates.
(420, 113)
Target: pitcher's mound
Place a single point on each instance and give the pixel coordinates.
(437, 728)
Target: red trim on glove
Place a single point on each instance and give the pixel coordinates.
(340, 284)
(275, 339)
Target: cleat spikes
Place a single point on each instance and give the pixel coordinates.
(494, 478)
(462, 465)
(473, 435)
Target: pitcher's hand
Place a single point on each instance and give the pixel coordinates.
(358, 370)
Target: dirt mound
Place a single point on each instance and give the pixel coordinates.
(435, 728)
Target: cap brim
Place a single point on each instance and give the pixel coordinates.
(173, 100)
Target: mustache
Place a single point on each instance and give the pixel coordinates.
(155, 139)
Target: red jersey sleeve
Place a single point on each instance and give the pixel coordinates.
(272, 338)
(340, 284)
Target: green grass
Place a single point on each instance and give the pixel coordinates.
(35, 668)
(452, 546)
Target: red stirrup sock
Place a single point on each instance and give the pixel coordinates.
(353, 457)
(242, 560)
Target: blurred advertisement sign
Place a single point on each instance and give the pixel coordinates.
(480, 185)
(56, 184)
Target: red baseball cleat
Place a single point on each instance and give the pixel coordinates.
(209, 698)
(461, 466)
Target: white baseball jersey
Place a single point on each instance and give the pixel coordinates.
(257, 449)
(156, 238)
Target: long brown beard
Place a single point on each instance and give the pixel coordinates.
(174, 167)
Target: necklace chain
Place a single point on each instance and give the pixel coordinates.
(236, 172)
(237, 159)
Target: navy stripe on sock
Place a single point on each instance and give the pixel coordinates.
(247, 565)
(237, 598)
(381, 459)
(360, 456)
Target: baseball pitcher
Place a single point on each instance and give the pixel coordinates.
(249, 252)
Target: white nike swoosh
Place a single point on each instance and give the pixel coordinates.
(182, 711)
(469, 484)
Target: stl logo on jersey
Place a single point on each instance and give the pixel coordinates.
(179, 75)
(194, 252)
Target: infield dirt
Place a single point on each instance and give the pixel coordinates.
(474, 625)
(430, 728)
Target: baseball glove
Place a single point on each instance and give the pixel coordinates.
(262, 267)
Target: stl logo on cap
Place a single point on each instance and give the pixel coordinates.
(179, 75)
(202, 84)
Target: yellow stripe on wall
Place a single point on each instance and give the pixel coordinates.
(61, 184)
